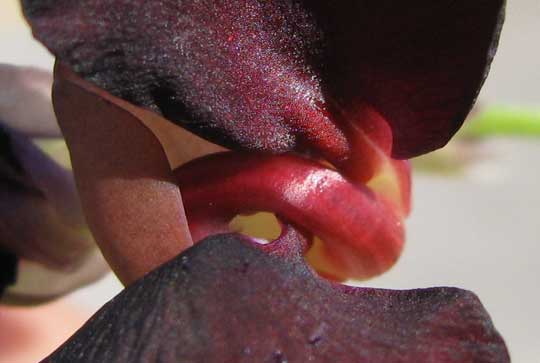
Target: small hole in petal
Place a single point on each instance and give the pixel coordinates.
(262, 227)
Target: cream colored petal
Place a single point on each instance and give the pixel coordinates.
(25, 101)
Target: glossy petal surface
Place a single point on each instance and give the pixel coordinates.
(226, 301)
(362, 234)
(281, 75)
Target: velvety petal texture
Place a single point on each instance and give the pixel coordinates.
(282, 75)
(224, 300)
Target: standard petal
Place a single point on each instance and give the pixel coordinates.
(281, 75)
(129, 197)
(25, 101)
(224, 300)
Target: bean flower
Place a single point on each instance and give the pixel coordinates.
(318, 106)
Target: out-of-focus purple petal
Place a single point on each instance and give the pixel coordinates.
(281, 75)
(41, 222)
(25, 101)
(41, 215)
(224, 300)
(55, 182)
(31, 228)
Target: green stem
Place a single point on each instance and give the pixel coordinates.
(504, 121)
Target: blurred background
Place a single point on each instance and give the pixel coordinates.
(475, 221)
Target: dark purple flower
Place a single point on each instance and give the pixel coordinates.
(318, 102)
(354, 84)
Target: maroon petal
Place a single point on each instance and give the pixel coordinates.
(420, 64)
(226, 301)
(281, 75)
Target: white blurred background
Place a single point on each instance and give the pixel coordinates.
(479, 231)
